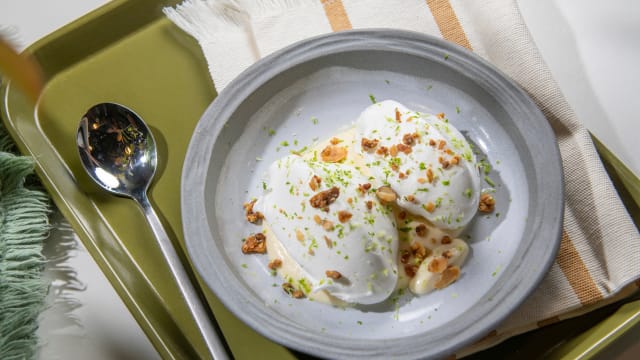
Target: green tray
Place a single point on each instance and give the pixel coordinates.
(128, 52)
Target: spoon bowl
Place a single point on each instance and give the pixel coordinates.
(117, 149)
(119, 153)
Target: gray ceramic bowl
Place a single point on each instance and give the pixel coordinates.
(330, 78)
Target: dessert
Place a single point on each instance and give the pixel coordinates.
(373, 209)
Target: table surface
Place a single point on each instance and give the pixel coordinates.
(590, 46)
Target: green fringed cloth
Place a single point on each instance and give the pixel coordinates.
(24, 225)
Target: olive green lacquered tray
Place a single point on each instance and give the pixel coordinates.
(128, 52)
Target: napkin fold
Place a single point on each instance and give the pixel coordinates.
(599, 257)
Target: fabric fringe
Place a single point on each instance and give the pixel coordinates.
(24, 226)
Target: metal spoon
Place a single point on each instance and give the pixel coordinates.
(119, 153)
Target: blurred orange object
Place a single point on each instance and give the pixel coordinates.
(21, 69)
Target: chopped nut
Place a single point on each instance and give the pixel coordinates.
(420, 252)
(349, 200)
(314, 183)
(323, 199)
(404, 148)
(382, 150)
(255, 244)
(404, 256)
(445, 164)
(363, 188)
(328, 242)
(447, 254)
(393, 150)
(430, 175)
(429, 206)
(422, 180)
(410, 198)
(275, 264)
(386, 194)
(408, 139)
(487, 203)
(441, 144)
(445, 240)
(369, 204)
(421, 230)
(394, 166)
(253, 217)
(292, 291)
(402, 215)
(432, 142)
(438, 264)
(334, 153)
(299, 235)
(317, 219)
(440, 115)
(335, 141)
(327, 225)
(450, 275)
(448, 151)
(398, 115)
(455, 160)
(402, 175)
(369, 145)
(411, 270)
(333, 274)
(344, 216)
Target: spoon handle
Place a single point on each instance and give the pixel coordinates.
(198, 310)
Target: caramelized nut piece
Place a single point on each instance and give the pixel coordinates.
(411, 270)
(363, 188)
(440, 115)
(369, 145)
(404, 256)
(299, 235)
(328, 242)
(432, 142)
(333, 274)
(487, 203)
(333, 153)
(335, 141)
(441, 144)
(421, 230)
(410, 198)
(327, 225)
(317, 219)
(323, 199)
(382, 150)
(344, 216)
(429, 206)
(275, 264)
(393, 150)
(255, 244)
(253, 217)
(404, 148)
(429, 175)
(445, 240)
(386, 194)
(314, 183)
(451, 274)
(438, 264)
(292, 291)
(369, 204)
(419, 251)
(408, 139)
(398, 116)
(402, 215)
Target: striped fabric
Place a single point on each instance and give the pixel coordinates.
(599, 257)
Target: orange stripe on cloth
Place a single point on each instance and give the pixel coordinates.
(336, 14)
(448, 23)
(576, 272)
